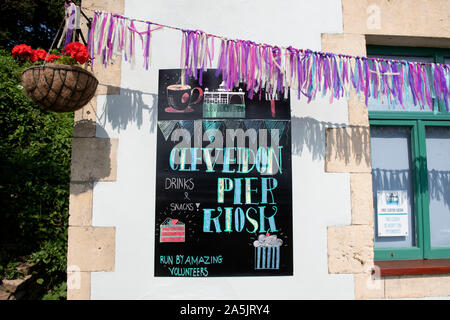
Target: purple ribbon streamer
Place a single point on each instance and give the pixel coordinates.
(69, 32)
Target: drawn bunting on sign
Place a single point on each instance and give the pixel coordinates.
(167, 127)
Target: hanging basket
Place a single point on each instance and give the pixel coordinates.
(59, 87)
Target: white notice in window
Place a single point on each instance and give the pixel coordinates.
(392, 213)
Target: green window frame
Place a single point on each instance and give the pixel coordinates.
(417, 122)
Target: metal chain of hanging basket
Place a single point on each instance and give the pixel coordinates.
(60, 87)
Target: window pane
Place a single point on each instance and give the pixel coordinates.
(382, 103)
(438, 162)
(392, 170)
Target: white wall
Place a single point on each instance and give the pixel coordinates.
(320, 199)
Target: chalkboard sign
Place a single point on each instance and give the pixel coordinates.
(223, 181)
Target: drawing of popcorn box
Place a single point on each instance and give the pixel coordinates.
(267, 252)
(172, 230)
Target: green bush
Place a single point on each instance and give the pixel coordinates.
(35, 149)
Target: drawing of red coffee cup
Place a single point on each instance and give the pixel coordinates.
(179, 96)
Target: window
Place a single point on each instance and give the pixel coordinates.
(411, 154)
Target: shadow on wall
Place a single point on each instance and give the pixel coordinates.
(345, 143)
(91, 158)
(350, 144)
(127, 108)
(309, 133)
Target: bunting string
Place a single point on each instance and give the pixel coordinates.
(274, 69)
(112, 35)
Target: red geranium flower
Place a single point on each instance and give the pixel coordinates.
(37, 54)
(78, 51)
(81, 57)
(75, 47)
(22, 51)
(52, 57)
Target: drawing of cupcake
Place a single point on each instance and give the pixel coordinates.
(267, 252)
